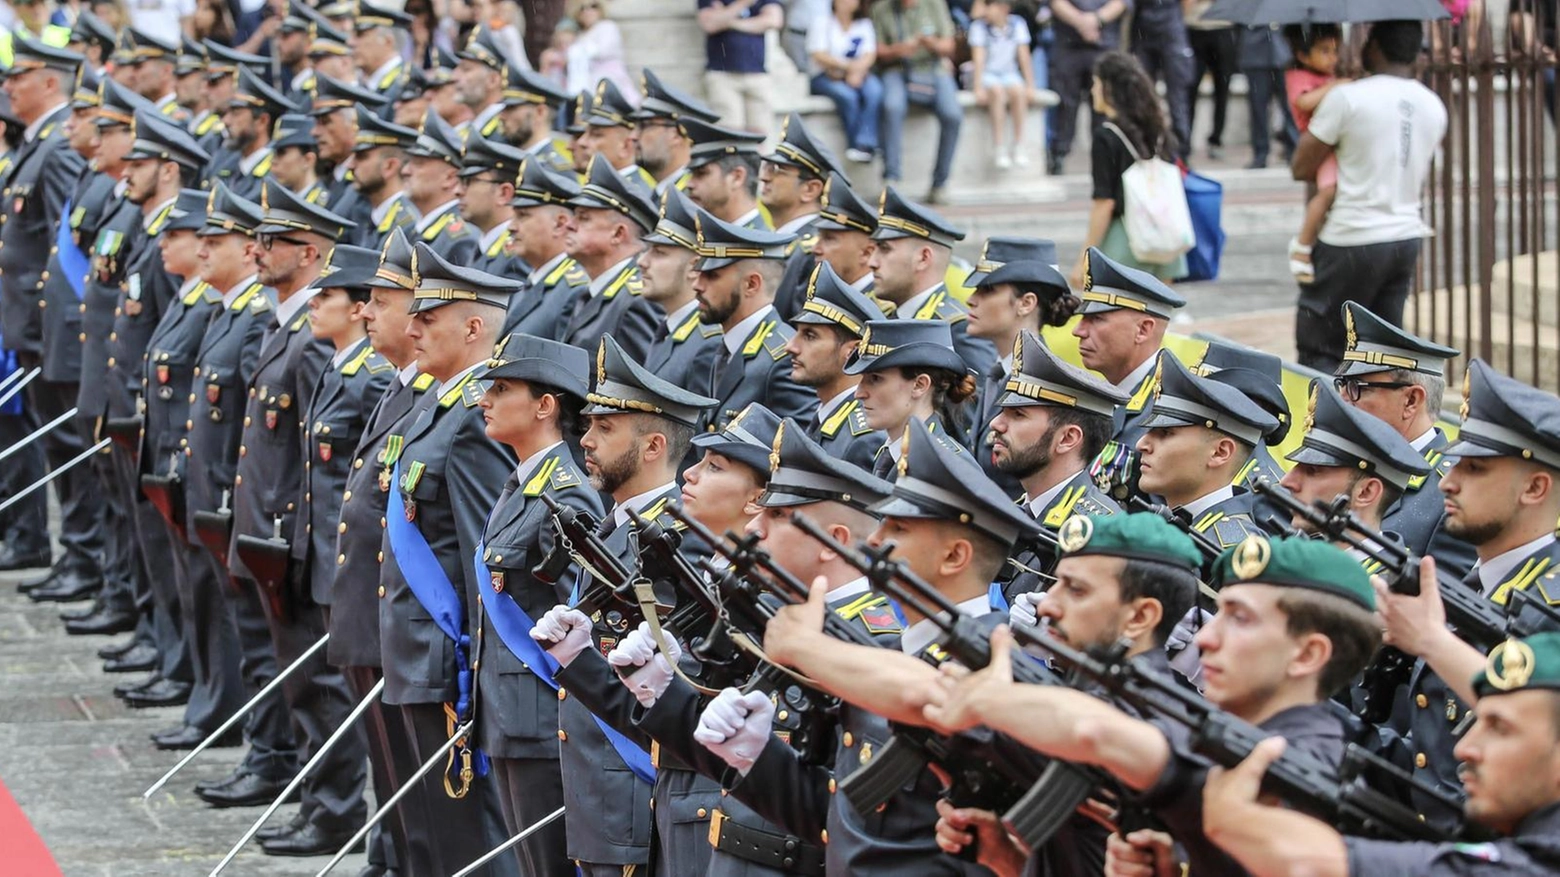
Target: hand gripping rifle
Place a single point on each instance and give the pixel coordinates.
(1337, 793)
(610, 586)
(1479, 621)
(1034, 806)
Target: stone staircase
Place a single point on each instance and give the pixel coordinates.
(1524, 330)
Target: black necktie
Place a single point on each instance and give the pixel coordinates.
(721, 364)
(883, 466)
(662, 332)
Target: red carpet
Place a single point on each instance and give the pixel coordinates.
(25, 854)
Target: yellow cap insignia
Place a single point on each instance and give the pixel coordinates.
(904, 455)
(1462, 413)
(1018, 355)
(774, 451)
(1510, 665)
(1075, 533)
(1251, 557)
(1348, 325)
(601, 362)
(1310, 406)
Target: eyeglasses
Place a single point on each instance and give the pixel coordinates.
(1353, 388)
(769, 170)
(267, 241)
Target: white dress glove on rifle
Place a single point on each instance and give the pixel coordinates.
(563, 632)
(1022, 612)
(736, 727)
(654, 673)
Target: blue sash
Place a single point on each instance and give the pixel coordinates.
(996, 598)
(432, 588)
(73, 262)
(514, 625)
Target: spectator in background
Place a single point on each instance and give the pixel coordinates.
(1127, 108)
(1264, 56)
(1215, 53)
(915, 41)
(841, 49)
(597, 52)
(1084, 30)
(166, 20)
(1315, 48)
(1004, 79)
(1384, 130)
(735, 77)
(1159, 43)
(554, 63)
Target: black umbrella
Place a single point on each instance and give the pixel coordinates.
(1260, 12)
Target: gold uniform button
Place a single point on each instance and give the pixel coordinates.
(832, 785)
(562, 735)
(113, 336)
(1421, 701)
(83, 338)
(848, 740)
(342, 527)
(381, 592)
(189, 424)
(346, 496)
(340, 559)
(701, 813)
(824, 835)
(358, 463)
(1420, 761)
(110, 362)
(783, 715)
(192, 398)
(562, 695)
(247, 419)
(243, 451)
(237, 480)
(381, 557)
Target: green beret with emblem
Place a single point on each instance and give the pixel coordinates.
(1138, 536)
(1294, 562)
(1521, 664)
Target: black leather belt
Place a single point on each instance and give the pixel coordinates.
(785, 852)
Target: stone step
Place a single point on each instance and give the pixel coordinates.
(1527, 351)
(1518, 272)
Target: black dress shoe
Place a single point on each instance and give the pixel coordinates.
(103, 622)
(237, 774)
(10, 561)
(189, 736)
(138, 660)
(248, 790)
(163, 692)
(66, 588)
(271, 832)
(310, 840)
(123, 689)
(118, 650)
(373, 870)
(81, 612)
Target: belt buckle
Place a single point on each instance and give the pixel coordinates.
(717, 823)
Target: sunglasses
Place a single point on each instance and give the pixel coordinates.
(1353, 388)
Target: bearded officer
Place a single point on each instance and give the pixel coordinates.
(723, 172)
(540, 220)
(487, 187)
(829, 325)
(663, 147)
(532, 106)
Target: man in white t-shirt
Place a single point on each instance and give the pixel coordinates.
(164, 19)
(1384, 130)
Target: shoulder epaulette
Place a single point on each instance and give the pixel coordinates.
(155, 227)
(316, 195)
(759, 339)
(573, 274)
(47, 130)
(423, 382)
(197, 292)
(472, 392)
(454, 394)
(388, 222)
(686, 329)
(565, 477)
(776, 343)
(377, 363)
(542, 476)
(252, 299)
(1521, 580)
(949, 310)
(1144, 393)
(207, 124)
(496, 248)
(1058, 514)
(624, 279)
(263, 168)
(1088, 505)
(299, 321)
(355, 364)
(839, 418)
(561, 270)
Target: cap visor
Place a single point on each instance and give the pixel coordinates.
(1312, 456)
(901, 507)
(746, 454)
(1466, 448)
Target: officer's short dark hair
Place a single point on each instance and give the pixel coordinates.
(1398, 40)
(1097, 429)
(679, 436)
(359, 294)
(1352, 629)
(570, 422)
(189, 177)
(1390, 494)
(729, 163)
(1175, 587)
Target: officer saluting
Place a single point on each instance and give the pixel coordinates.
(445, 480)
(538, 231)
(829, 324)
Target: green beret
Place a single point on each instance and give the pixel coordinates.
(1140, 536)
(1520, 664)
(1295, 562)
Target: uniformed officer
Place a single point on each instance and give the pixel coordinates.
(1401, 379)
(354, 617)
(329, 54)
(909, 372)
(828, 326)
(1511, 791)
(40, 179)
(376, 45)
(607, 129)
(294, 157)
(168, 371)
(190, 71)
(663, 147)
(539, 230)
(910, 267)
(92, 38)
(536, 392)
(1198, 436)
(611, 212)
(641, 428)
(532, 106)
(578, 149)
(723, 165)
(791, 180)
(377, 170)
(479, 81)
(249, 118)
(1052, 419)
(1500, 497)
(1000, 249)
(151, 60)
(224, 366)
(1014, 298)
(1260, 375)
(292, 49)
(334, 108)
(954, 528)
(432, 178)
(684, 348)
(845, 226)
(488, 171)
(445, 479)
(1125, 315)
(735, 279)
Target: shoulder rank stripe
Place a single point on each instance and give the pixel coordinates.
(655, 509)
(859, 605)
(388, 222)
(355, 364)
(496, 249)
(196, 293)
(263, 168)
(1244, 476)
(933, 302)
(433, 231)
(243, 299)
(558, 272)
(838, 418)
(1207, 521)
(686, 329)
(617, 284)
(1145, 391)
(299, 321)
(539, 481)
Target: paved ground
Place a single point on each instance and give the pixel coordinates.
(77, 760)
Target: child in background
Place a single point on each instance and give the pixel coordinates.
(1314, 74)
(555, 58)
(1004, 75)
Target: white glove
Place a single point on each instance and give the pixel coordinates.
(1184, 654)
(638, 649)
(736, 727)
(1022, 612)
(563, 632)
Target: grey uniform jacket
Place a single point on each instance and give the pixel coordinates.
(517, 713)
(269, 482)
(343, 400)
(799, 264)
(372, 234)
(1419, 517)
(224, 364)
(978, 353)
(1034, 564)
(90, 205)
(685, 354)
(760, 371)
(354, 617)
(31, 205)
(618, 309)
(100, 306)
(844, 433)
(146, 291)
(449, 236)
(1532, 851)
(451, 474)
(543, 308)
(168, 373)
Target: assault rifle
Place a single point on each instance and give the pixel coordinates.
(1034, 804)
(1338, 793)
(611, 589)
